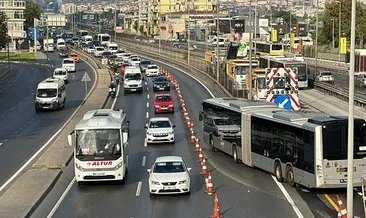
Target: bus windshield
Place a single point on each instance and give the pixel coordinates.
(301, 70)
(98, 144)
(46, 93)
(105, 38)
(276, 47)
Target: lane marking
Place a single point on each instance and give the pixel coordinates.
(288, 197)
(143, 161)
(145, 83)
(330, 200)
(148, 96)
(53, 211)
(138, 189)
(1, 144)
(115, 99)
(147, 114)
(145, 142)
(15, 175)
(147, 104)
(147, 89)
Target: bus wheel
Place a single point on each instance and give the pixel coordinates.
(212, 144)
(235, 154)
(290, 176)
(278, 171)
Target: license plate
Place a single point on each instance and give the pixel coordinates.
(133, 90)
(168, 187)
(164, 108)
(161, 88)
(98, 174)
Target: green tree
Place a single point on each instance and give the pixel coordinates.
(3, 31)
(32, 10)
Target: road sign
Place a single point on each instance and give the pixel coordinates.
(86, 77)
(38, 33)
(283, 101)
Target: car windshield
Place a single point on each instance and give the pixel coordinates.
(132, 76)
(145, 63)
(46, 93)
(222, 121)
(135, 59)
(60, 72)
(169, 167)
(160, 79)
(100, 49)
(163, 98)
(325, 73)
(159, 124)
(98, 143)
(152, 67)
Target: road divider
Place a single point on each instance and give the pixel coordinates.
(23, 192)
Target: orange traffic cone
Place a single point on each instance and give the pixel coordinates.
(193, 139)
(209, 190)
(342, 213)
(200, 156)
(203, 169)
(216, 208)
(197, 145)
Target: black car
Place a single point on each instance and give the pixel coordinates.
(161, 83)
(63, 53)
(143, 65)
(96, 43)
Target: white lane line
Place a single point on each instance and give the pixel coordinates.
(143, 161)
(53, 211)
(15, 175)
(288, 197)
(148, 96)
(145, 142)
(2, 144)
(11, 108)
(138, 188)
(147, 89)
(147, 114)
(147, 104)
(115, 99)
(145, 83)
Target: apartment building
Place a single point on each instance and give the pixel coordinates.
(14, 11)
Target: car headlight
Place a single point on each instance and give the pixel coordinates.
(148, 133)
(54, 100)
(155, 85)
(158, 106)
(171, 105)
(171, 132)
(155, 182)
(79, 167)
(182, 182)
(119, 165)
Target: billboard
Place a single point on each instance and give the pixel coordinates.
(225, 25)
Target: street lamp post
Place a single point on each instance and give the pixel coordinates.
(339, 29)
(333, 33)
(217, 43)
(250, 97)
(316, 36)
(189, 32)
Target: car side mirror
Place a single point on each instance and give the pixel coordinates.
(148, 170)
(145, 127)
(189, 169)
(174, 126)
(125, 137)
(200, 116)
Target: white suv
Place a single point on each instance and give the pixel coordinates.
(160, 130)
(152, 70)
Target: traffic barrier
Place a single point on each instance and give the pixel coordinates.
(216, 207)
(200, 156)
(210, 189)
(342, 213)
(204, 169)
(191, 130)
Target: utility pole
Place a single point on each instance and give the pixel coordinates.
(115, 25)
(35, 35)
(316, 37)
(339, 30)
(351, 114)
(47, 37)
(160, 18)
(189, 31)
(217, 43)
(250, 97)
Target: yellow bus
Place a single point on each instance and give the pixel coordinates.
(268, 48)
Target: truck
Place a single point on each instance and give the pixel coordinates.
(100, 142)
(48, 45)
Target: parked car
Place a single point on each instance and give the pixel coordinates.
(169, 175)
(163, 103)
(161, 83)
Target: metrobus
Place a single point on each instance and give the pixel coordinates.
(100, 143)
(268, 48)
(300, 66)
(103, 38)
(300, 148)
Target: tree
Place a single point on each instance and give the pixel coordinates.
(32, 10)
(3, 31)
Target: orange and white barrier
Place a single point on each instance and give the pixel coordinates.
(203, 170)
(342, 213)
(216, 208)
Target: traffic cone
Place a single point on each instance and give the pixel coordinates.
(342, 213)
(200, 156)
(203, 169)
(203, 161)
(197, 145)
(216, 208)
(209, 190)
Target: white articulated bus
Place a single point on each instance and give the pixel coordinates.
(100, 142)
(299, 148)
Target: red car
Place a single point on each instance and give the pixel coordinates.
(163, 103)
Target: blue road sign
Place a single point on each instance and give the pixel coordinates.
(283, 101)
(38, 33)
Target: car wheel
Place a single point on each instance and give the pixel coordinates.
(235, 154)
(37, 110)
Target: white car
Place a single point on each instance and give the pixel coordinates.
(126, 56)
(61, 73)
(160, 130)
(169, 175)
(90, 50)
(135, 61)
(325, 76)
(152, 70)
(98, 51)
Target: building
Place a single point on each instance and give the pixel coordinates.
(14, 10)
(56, 20)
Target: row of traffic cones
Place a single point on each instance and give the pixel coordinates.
(197, 147)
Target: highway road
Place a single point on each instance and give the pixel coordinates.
(260, 198)
(23, 131)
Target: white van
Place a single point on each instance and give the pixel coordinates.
(132, 79)
(111, 47)
(51, 94)
(60, 44)
(68, 64)
(61, 73)
(88, 39)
